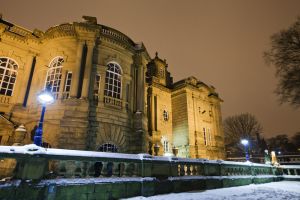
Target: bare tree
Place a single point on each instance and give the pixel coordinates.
(284, 54)
(296, 141)
(282, 143)
(243, 126)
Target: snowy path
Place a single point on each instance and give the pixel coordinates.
(289, 190)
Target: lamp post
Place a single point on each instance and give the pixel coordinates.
(45, 98)
(245, 143)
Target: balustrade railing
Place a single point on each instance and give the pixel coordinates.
(5, 99)
(116, 35)
(61, 163)
(147, 174)
(290, 170)
(113, 102)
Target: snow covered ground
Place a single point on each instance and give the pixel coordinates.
(289, 190)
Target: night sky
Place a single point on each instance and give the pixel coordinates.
(219, 42)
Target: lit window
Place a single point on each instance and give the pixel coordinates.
(204, 136)
(97, 87)
(67, 87)
(162, 72)
(113, 81)
(166, 115)
(108, 147)
(8, 75)
(166, 146)
(209, 136)
(54, 75)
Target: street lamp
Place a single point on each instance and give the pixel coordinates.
(45, 98)
(245, 143)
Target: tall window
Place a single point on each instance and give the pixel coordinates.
(54, 75)
(166, 146)
(165, 142)
(127, 93)
(8, 75)
(166, 115)
(67, 87)
(209, 136)
(97, 87)
(204, 136)
(108, 147)
(113, 81)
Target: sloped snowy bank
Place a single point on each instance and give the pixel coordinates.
(289, 190)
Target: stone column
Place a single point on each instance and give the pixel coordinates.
(26, 72)
(76, 71)
(140, 89)
(87, 71)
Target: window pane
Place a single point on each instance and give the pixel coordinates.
(8, 92)
(113, 80)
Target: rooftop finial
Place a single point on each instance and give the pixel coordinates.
(90, 20)
(156, 54)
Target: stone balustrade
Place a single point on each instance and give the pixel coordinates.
(117, 35)
(293, 170)
(146, 174)
(19, 31)
(83, 164)
(110, 101)
(5, 99)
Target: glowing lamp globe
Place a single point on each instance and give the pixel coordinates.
(244, 142)
(45, 97)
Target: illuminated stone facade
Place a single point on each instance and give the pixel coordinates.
(110, 95)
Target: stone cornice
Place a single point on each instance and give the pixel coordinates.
(159, 86)
(62, 30)
(17, 33)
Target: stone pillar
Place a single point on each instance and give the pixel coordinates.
(76, 71)
(87, 71)
(26, 72)
(140, 87)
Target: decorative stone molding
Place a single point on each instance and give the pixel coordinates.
(62, 30)
(15, 56)
(113, 134)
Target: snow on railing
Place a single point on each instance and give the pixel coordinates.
(35, 162)
(293, 170)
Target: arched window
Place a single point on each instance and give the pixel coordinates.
(113, 81)
(166, 115)
(108, 147)
(54, 75)
(165, 143)
(8, 75)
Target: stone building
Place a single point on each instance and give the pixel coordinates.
(110, 94)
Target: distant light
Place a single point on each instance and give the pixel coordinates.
(45, 97)
(279, 152)
(244, 142)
